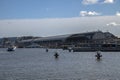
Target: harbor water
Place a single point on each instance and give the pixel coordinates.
(37, 64)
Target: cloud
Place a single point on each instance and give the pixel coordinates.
(117, 13)
(56, 26)
(113, 24)
(89, 13)
(86, 2)
(109, 1)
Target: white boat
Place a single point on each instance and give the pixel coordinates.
(11, 48)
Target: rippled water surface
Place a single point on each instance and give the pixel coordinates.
(37, 64)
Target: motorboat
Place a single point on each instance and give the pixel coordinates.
(11, 48)
(98, 55)
(56, 55)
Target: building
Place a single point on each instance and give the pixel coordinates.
(7, 41)
(88, 39)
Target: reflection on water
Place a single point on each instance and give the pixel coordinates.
(37, 64)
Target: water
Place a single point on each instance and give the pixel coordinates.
(37, 64)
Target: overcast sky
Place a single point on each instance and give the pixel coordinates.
(58, 17)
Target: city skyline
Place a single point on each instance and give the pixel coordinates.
(58, 17)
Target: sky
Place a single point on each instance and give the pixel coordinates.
(58, 17)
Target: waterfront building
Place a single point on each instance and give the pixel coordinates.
(6, 41)
(87, 39)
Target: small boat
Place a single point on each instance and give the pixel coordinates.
(56, 55)
(98, 55)
(11, 48)
(69, 49)
(46, 49)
